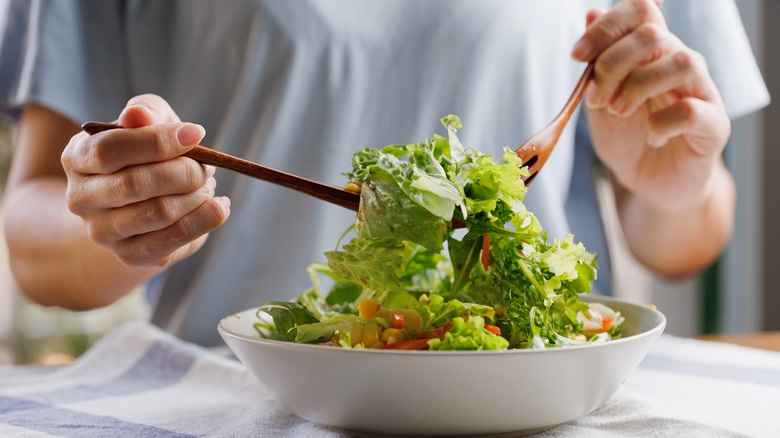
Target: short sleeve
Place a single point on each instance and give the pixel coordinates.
(714, 29)
(66, 55)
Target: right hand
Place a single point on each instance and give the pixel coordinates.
(138, 196)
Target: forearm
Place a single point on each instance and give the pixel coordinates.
(682, 241)
(52, 258)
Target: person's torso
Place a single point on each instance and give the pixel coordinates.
(300, 86)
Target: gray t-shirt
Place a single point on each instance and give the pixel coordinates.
(300, 85)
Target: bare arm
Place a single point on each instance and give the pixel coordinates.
(92, 258)
(679, 242)
(52, 257)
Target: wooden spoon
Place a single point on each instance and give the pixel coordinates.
(537, 149)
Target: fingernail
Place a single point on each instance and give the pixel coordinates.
(595, 99)
(618, 106)
(190, 134)
(210, 170)
(225, 201)
(582, 49)
(211, 183)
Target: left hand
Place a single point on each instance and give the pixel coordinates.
(656, 118)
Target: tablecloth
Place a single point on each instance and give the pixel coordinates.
(139, 381)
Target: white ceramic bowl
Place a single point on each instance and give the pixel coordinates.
(450, 393)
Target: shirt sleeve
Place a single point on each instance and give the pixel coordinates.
(66, 55)
(714, 29)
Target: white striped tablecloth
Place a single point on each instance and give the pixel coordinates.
(138, 381)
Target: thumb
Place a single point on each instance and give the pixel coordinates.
(146, 110)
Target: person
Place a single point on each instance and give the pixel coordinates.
(299, 86)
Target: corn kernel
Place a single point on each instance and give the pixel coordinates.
(368, 308)
(356, 334)
(371, 334)
(353, 187)
(392, 335)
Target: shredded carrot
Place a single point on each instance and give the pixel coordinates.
(493, 329)
(398, 321)
(486, 251)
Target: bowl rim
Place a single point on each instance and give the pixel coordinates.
(658, 327)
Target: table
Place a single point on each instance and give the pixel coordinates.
(764, 340)
(140, 381)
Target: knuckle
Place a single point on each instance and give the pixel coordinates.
(131, 185)
(158, 141)
(192, 173)
(98, 154)
(135, 253)
(78, 147)
(203, 219)
(682, 60)
(97, 233)
(215, 213)
(160, 212)
(644, 9)
(687, 109)
(183, 230)
(66, 159)
(688, 60)
(632, 86)
(649, 33)
(74, 201)
(642, 78)
(606, 65)
(607, 31)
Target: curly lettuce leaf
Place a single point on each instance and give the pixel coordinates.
(469, 335)
(484, 182)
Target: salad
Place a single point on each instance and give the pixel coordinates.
(409, 280)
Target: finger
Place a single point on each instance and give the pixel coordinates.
(110, 151)
(166, 246)
(613, 25)
(145, 110)
(145, 217)
(643, 45)
(592, 15)
(140, 183)
(685, 70)
(691, 117)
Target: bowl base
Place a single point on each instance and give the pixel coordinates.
(517, 433)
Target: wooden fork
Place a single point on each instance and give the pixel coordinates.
(537, 149)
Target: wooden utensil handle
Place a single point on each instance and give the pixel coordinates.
(204, 155)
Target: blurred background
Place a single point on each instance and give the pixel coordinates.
(735, 295)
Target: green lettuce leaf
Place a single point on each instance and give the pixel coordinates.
(469, 335)
(374, 263)
(287, 316)
(386, 211)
